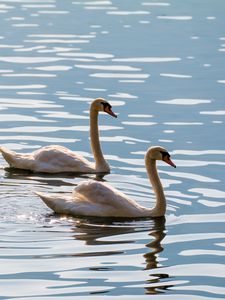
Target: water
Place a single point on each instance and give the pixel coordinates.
(161, 66)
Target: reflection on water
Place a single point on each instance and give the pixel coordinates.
(160, 64)
(65, 261)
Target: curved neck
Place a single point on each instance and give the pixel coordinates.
(160, 206)
(100, 163)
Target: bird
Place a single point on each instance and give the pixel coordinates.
(99, 199)
(58, 159)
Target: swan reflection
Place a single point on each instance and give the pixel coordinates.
(56, 180)
(114, 240)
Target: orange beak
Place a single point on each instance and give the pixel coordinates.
(110, 112)
(169, 161)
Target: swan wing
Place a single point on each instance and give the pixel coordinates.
(106, 200)
(72, 205)
(93, 198)
(56, 158)
(50, 159)
(99, 192)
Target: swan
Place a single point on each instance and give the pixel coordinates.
(56, 159)
(99, 199)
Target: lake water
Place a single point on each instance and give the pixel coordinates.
(161, 66)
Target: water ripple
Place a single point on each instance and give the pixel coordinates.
(148, 59)
(184, 101)
(56, 57)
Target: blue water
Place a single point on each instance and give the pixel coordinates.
(161, 66)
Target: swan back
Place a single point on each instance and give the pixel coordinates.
(106, 200)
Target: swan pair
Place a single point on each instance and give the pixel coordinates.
(92, 198)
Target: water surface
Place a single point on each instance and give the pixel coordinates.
(161, 66)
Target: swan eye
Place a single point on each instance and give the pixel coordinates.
(106, 105)
(165, 154)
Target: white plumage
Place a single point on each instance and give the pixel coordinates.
(56, 159)
(94, 198)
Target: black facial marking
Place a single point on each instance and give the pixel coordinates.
(164, 154)
(106, 105)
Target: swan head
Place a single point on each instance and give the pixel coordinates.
(160, 153)
(101, 104)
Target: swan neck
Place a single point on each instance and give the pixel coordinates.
(160, 206)
(100, 163)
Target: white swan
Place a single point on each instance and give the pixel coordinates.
(94, 198)
(56, 159)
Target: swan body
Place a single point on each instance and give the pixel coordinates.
(56, 159)
(94, 198)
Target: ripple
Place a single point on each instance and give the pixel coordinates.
(123, 95)
(219, 290)
(18, 118)
(95, 89)
(17, 87)
(148, 59)
(119, 75)
(139, 123)
(175, 75)
(28, 60)
(215, 112)
(108, 68)
(29, 103)
(211, 193)
(156, 3)
(193, 176)
(140, 116)
(201, 269)
(4, 6)
(196, 218)
(183, 123)
(38, 286)
(127, 13)
(191, 237)
(54, 129)
(101, 2)
(54, 68)
(23, 49)
(57, 12)
(198, 152)
(56, 50)
(62, 115)
(210, 18)
(29, 1)
(29, 75)
(184, 101)
(122, 139)
(41, 138)
(132, 81)
(6, 71)
(175, 18)
(211, 203)
(165, 141)
(58, 41)
(101, 7)
(83, 54)
(25, 25)
(74, 97)
(197, 163)
(38, 5)
(10, 46)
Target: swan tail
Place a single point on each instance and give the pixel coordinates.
(55, 202)
(9, 156)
